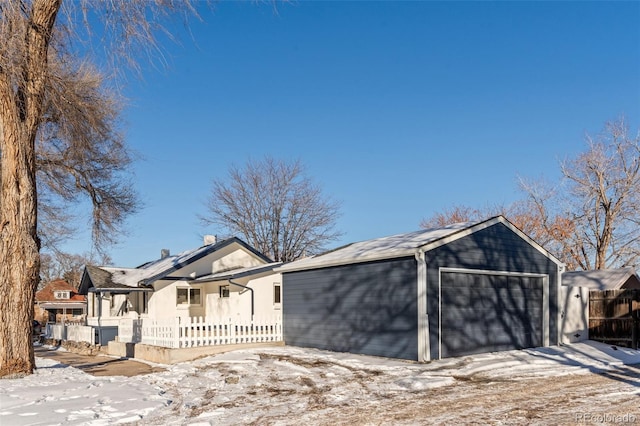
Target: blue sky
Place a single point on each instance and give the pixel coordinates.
(398, 110)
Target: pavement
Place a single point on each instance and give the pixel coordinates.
(97, 365)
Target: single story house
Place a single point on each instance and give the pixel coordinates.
(461, 289)
(221, 279)
(59, 301)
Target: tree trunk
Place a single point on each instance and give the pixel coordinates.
(21, 104)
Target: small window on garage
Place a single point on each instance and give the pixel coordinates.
(224, 291)
(277, 293)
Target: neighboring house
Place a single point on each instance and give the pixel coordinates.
(59, 301)
(435, 293)
(602, 279)
(226, 279)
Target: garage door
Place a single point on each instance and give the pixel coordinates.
(486, 313)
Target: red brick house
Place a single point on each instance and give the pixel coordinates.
(59, 301)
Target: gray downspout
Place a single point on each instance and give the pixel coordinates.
(246, 288)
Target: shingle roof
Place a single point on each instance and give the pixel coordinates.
(107, 277)
(47, 293)
(403, 245)
(602, 279)
(398, 245)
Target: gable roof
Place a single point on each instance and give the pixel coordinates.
(404, 245)
(47, 293)
(602, 279)
(114, 278)
(251, 271)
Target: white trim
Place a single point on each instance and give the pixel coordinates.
(545, 297)
(424, 351)
(189, 288)
(276, 305)
(545, 311)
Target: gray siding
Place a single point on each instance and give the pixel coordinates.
(366, 308)
(495, 248)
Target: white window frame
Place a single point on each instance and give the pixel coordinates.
(277, 305)
(224, 289)
(189, 290)
(62, 294)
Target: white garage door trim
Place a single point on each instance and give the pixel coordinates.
(545, 297)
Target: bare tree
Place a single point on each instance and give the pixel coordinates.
(60, 265)
(58, 128)
(455, 214)
(589, 220)
(524, 214)
(593, 216)
(275, 208)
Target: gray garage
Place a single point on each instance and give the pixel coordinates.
(435, 293)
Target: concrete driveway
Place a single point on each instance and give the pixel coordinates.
(99, 365)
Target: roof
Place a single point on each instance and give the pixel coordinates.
(61, 305)
(104, 278)
(115, 278)
(251, 271)
(47, 293)
(403, 245)
(602, 279)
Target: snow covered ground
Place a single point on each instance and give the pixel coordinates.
(584, 382)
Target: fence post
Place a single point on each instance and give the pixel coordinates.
(176, 333)
(634, 315)
(232, 332)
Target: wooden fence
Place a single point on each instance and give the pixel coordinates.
(614, 317)
(199, 331)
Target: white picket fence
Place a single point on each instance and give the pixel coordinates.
(56, 331)
(73, 332)
(199, 331)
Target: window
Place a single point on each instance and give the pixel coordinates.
(182, 296)
(277, 293)
(188, 296)
(194, 296)
(145, 302)
(224, 291)
(61, 294)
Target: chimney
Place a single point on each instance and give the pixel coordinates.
(209, 239)
(164, 253)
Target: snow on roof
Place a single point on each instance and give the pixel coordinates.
(240, 272)
(116, 277)
(602, 279)
(398, 245)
